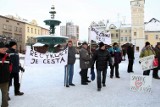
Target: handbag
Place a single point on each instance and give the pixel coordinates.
(155, 62)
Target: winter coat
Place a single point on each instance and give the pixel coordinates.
(84, 59)
(117, 55)
(101, 57)
(71, 55)
(4, 69)
(157, 51)
(146, 52)
(14, 57)
(130, 53)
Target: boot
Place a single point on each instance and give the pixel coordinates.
(17, 92)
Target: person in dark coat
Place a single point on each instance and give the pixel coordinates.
(130, 53)
(101, 57)
(117, 58)
(14, 56)
(70, 65)
(4, 74)
(157, 51)
(84, 63)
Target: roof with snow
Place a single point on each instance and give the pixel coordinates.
(152, 25)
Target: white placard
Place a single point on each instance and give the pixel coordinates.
(147, 62)
(140, 83)
(98, 36)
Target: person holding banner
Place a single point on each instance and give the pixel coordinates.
(155, 70)
(70, 65)
(84, 63)
(101, 57)
(4, 74)
(147, 51)
(14, 56)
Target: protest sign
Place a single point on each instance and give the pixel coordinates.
(33, 58)
(147, 62)
(100, 36)
(140, 83)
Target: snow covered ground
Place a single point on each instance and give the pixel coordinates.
(44, 87)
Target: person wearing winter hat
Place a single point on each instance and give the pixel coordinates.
(147, 51)
(84, 63)
(14, 55)
(117, 58)
(101, 57)
(4, 74)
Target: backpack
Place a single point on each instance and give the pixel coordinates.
(10, 64)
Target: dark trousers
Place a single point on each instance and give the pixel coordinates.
(99, 80)
(116, 67)
(155, 73)
(15, 76)
(130, 66)
(147, 72)
(4, 90)
(84, 75)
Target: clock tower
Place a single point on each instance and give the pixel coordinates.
(137, 23)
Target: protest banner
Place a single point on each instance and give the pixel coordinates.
(100, 36)
(140, 83)
(33, 58)
(147, 62)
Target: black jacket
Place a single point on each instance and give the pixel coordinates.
(130, 52)
(101, 57)
(4, 69)
(14, 57)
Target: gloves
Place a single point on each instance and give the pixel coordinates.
(22, 69)
(92, 74)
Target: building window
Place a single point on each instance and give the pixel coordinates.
(121, 38)
(7, 20)
(10, 28)
(135, 33)
(31, 30)
(112, 35)
(126, 39)
(126, 31)
(15, 29)
(121, 31)
(156, 37)
(17, 23)
(5, 27)
(129, 39)
(28, 29)
(35, 31)
(38, 31)
(116, 35)
(117, 30)
(20, 30)
(146, 37)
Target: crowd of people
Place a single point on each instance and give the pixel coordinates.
(99, 57)
(108, 55)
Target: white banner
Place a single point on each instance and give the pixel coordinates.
(140, 83)
(98, 36)
(147, 62)
(33, 58)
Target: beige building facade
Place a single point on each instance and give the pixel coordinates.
(19, 30)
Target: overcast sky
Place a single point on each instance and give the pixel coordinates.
(80, 12)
